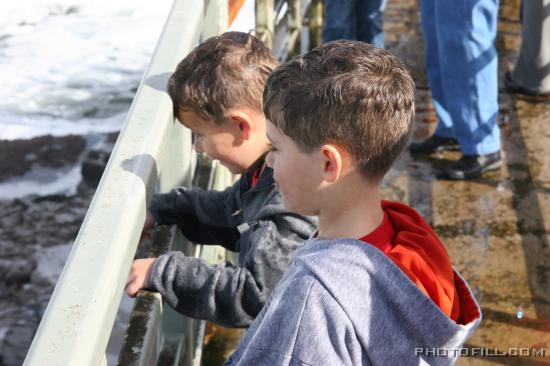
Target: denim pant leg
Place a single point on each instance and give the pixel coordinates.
(532, 71)
(339, 20)
(370, 21)
(431, 59)
(466, 32)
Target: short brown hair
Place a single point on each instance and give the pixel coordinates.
(345, 92)
(223, 72)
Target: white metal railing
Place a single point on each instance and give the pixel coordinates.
(152, 153)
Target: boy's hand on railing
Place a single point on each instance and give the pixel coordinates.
(147, 227)
(139, 273)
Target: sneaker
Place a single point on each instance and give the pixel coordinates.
(471, 166)
(512, 87)
(434, 144)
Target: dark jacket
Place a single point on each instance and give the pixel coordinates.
(251, 221)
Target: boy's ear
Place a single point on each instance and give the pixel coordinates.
(333, 161)
(243, 121)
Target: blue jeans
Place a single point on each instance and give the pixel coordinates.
(461, 62)
(360, 20)
(532, 71)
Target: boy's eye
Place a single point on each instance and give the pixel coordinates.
(271, 147)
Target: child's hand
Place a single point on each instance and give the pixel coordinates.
(147, 226)
(139, 273)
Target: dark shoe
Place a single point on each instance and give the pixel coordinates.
(434, 144)
(513, 87)
(471, 166)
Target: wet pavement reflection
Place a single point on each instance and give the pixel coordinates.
(493, 227)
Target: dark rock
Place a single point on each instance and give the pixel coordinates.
(28, 227)
(50, 198)
(47, 151)
(3, 291)
(16, 271)
(64, 218)
(93, 166)
(13, 219)
(18, 338)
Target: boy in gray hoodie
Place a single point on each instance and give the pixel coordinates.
(217, 93)
(374, 285)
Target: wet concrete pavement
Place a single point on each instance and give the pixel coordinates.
(493, 227)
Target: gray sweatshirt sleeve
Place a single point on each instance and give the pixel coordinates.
(205, 217)
(301, 325)
(226, 294)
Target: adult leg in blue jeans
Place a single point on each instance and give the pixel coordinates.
(360, 20)
(461, 62)
(339, 20)
(531, 75)
(370, 21)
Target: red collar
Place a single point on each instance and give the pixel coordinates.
(256, 175)
(382, 237)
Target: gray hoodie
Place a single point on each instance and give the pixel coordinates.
(343, 302)
(250, 221)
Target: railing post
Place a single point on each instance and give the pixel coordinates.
(265, 21)
(315, 16)
(294, 24)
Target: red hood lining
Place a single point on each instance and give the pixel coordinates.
(419, 253)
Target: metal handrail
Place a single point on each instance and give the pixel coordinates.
(78, 320)
(152, 154)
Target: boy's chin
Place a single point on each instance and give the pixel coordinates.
(233, 169)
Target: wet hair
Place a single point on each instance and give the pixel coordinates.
(348, 93)
(225, 71)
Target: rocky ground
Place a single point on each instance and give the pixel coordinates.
(36, 233)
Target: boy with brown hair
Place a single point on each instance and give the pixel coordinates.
(375, 286)
(217, 93)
